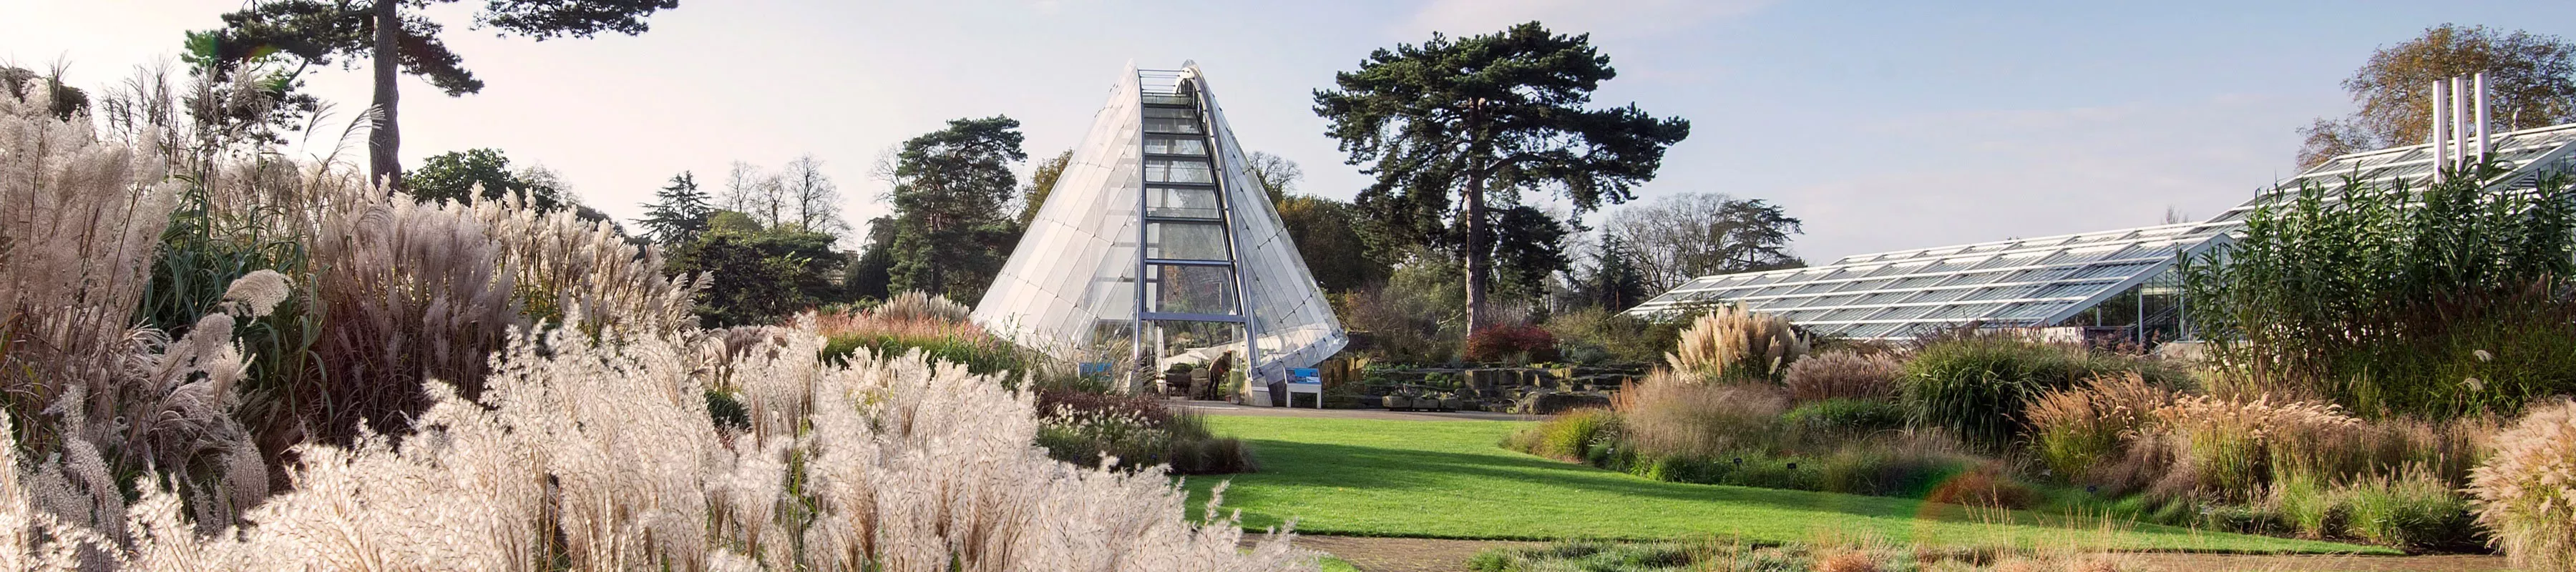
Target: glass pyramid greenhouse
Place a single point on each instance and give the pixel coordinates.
(2119, 280)
(1159, 222)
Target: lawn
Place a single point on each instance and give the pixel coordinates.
(1448, 479)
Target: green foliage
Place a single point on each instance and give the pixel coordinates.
(1612, 282)
(1512, 345)
(679, 212)
(761, 275)
(2414, 511)
(727, 411)
(952, 234)
(1568, 436)
(476, 175)
(1485, 119)
(1414, 317)
(1085, 425)
(1978, 385)
(2443, 301)
(1041, 183)
(1619, 337)
(67, 100)
(1331, 246)
(1847, 416)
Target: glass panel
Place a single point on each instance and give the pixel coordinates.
(1185, 241)
(1171, 126)
(1182, 202)
(1178, 171)
(1169, 113)
(1176, 146)
(1167, 99)
(1192, 289)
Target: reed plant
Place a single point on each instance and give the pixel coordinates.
(2442, 300)
(1844, 375)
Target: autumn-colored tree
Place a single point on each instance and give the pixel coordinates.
(2531, 82)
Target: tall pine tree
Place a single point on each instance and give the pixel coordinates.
(679, 212)
(952, 230)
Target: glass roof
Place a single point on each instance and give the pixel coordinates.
(2041, 281)
(1161, 177)
(2523, 153)
(1898, 294)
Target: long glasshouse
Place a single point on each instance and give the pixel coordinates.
(1158, 245)
(2117, 284)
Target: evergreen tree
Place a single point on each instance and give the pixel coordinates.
(398, 37)
(679, 211)
(1487, 119)
(952, 232)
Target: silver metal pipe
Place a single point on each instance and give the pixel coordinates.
(2482, 117)
(2441, 133)
(2460, 119)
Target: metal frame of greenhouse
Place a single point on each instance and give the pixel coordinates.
(2058, 280)
(1159, 189)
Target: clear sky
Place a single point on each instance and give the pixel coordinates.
(1884, 125)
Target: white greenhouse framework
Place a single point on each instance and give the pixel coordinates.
(2119, 281)
(1157, 243)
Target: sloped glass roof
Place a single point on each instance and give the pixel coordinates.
(2021, 282)
(2523, 154)
(1159, 189)
(2043, 281)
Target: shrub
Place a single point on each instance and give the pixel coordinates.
(2391, 299)
(1979, 385)
(2524, 494)
(1568, 436)
(1844, 375)
(1910, 467)
(1511, 344)
(892, 329)
(1845, 417)
(2308, 506)
(2414, 511)
(1731, 342)
(1081, 424)
(1618, 336)
(1984, 486)
(2073, 431)
(1666, 416)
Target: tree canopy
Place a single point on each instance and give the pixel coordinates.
(453, 176)
(2531, 82)
(678, 213)
(1689, 235)
(399, 37)
(1487, 119)
(952, 232)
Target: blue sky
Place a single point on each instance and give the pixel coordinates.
(1885, 125)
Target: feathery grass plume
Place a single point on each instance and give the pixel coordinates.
(2230, 448)
(2082, 430)
(410, 291)
(1732, 342)
(2526, 491)
(80, 217)
(919, 305)
(559, 264)
(1844, 375)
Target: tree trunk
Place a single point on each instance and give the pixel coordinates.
(1479, 263)
(384, 143)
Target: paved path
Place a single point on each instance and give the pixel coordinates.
(1223, 408)
(1372, 554)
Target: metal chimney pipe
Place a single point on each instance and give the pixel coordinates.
(2460, 119)
(2482, 117)
(2441, 136)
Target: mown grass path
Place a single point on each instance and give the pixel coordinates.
(1449, 479)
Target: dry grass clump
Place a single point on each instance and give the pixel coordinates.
(1666, 415)
(2229, 447)
(2080, 430)
(1731, 342)
(2526, 491)
(919, 305)
(1843, 375)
